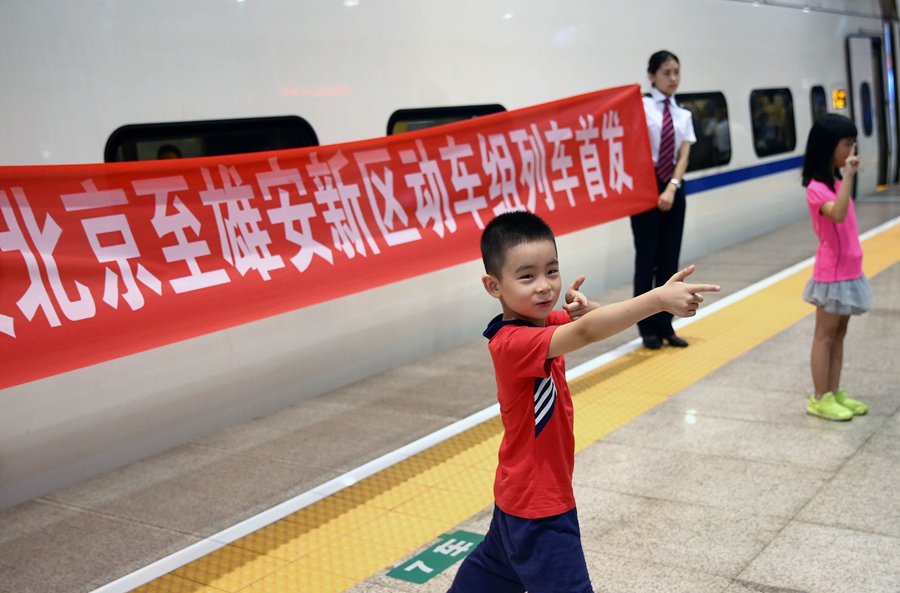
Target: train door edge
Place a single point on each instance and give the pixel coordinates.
(892, 107)
(867, 94)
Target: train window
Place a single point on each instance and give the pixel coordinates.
(772, 114)
(865, 94)
(147, 142)
(818, 102)
(408, 120)
(710, 116)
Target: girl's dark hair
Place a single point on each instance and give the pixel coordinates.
(826, 133)
(507, 230)
(660, 58)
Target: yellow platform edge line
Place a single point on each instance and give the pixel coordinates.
(336, 543)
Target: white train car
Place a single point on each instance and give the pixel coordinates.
(76, 71)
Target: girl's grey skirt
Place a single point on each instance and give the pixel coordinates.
(848, 297)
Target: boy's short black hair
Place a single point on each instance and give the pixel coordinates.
(506, 231)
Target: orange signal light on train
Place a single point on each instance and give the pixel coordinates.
(839, 98)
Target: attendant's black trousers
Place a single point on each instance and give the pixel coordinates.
(657, 246)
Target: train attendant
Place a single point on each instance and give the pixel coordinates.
(657, 232)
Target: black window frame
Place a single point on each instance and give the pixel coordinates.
(769, 138)
(867, 108)
(438, 116)
(818, 102)
(137, 142)
(704, 108)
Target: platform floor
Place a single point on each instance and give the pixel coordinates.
(698, 470)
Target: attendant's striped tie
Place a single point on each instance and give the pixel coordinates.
(665, 164)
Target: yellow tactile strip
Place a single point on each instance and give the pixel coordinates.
(337, 542)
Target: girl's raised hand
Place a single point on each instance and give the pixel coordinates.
(851, 165)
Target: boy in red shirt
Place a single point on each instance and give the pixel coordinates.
(534, 542)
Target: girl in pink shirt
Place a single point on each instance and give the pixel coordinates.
(838, 287)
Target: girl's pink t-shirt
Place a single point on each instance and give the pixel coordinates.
(839, 255)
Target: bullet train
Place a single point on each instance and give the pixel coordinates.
(87, 81)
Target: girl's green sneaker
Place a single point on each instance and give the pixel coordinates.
(827, 408)
(857, 407)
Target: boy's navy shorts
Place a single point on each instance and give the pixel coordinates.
(537, 555)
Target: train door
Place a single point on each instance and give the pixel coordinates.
(892, 121)
(867, 107)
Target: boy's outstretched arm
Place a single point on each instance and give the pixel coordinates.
(676, 297)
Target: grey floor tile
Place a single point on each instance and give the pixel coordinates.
(49, 548)
(345, 437)
(740, 586)
(722, 482)
(818, 444)
(690, 537)
(611, 573)
(732, 273)
(875, 356)
(820, 559)
(258, 433)
(465, 382)
(864, 494)
(762, 376)
(888, 435)
(30, 519)
(200, 492)
(705, 398)
(789, 347)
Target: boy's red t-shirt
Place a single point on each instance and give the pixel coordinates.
(537, 453)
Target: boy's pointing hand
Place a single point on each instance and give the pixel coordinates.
(576, 303)
(682, 299)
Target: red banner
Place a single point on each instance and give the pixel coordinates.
(102, 261)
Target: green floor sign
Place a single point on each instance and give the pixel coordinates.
(438, 558)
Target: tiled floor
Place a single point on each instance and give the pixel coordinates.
(726, 486)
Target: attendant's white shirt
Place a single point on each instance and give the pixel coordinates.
(681, 121)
